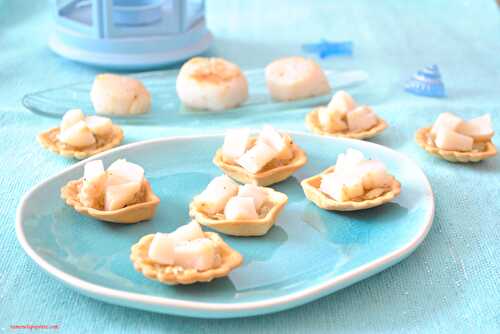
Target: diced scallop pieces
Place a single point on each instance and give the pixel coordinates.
(280, 143)
(362, 118)
(235, 143)
(100, 126)
(120, 195)
(447, 139)
(257, 157)
(478, 128)
(258, 194)
(121, 171)
(78, 135)
(93, 170)
(71, 117)
(348, 160)
(200, 254)
(332, 185)
(240, 208)
(341, 103)
(331, 120)
(187, 232)
(214, 198)
(162, 249)
(446, 120)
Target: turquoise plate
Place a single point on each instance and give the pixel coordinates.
(309, 253)
(168, 110)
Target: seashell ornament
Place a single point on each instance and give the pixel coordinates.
(426, 82)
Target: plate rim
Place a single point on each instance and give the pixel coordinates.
(230, 309)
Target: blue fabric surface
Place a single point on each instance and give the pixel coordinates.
(449, 285)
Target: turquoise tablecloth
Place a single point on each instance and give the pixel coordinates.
(450, 284)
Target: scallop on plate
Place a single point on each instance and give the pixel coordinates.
(307, 254)
(166, 108)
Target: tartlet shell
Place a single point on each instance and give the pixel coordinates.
(312, 123)
(243, 228)
(46, 140)
(173, 275)
(128, 215)
(312, 192)
(263, 178)
(454, 156)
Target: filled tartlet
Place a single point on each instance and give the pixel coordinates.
(185, 256)
(120, 194)
(295, 78)
(453, 139)
(241, 210)
(353, 183)
(343, 118)
(268, 158)
(119, 95)
(211, 84)
(81, 136)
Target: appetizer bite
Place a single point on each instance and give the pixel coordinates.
(246, 210)
(354, 183)
(453, 139)
(119, 95)
(121, 194)
(269, 158)
(295, 78)
(185, 256)
(343, 118)
(81, 136)
(211, 83)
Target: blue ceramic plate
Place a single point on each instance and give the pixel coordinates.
(167, 109)
(308, 254)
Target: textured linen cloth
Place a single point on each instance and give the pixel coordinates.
(449, 285)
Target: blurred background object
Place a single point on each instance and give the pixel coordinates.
(129, 34)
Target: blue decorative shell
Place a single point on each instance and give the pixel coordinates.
(426, 82)
(327, 48)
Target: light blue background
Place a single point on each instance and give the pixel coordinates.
(450, 284)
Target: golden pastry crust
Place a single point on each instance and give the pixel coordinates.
(312, 123)
(172, 275)
(422, 137)
(312, 192)
(48, 140)
(249, 227)
(134, 213)
(272, 173)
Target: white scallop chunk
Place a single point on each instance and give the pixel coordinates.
(341, 103)
(280, 143)
(360, 119)
(100, 126)
(478, 128)
(332, 185)
(258, 194)
(215, 196)
(78, 135)
(162, 249)
(119, 195)
(331, 121)
(71, 117)
(235, 143)
(374, 175)
(257, 157)
(240, 208)
(121, 171)
(187, 232)
(348, 160)
(93, 169)
(199, 254)
(448, 139)
(353, 183)
(446, 120)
